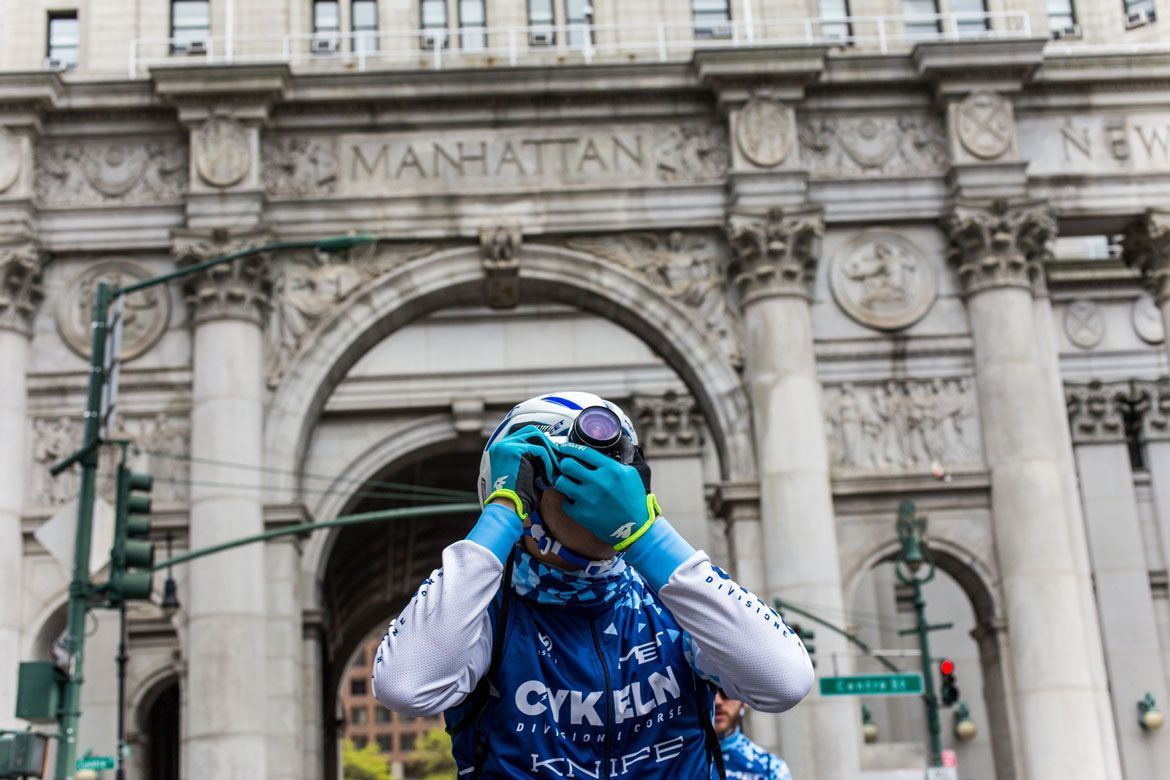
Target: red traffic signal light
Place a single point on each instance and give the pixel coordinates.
(949, 693)
(947, 666)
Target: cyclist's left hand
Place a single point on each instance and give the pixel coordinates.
(606, 497)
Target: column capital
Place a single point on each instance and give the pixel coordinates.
(1146, 247)
(668, 424)
(999, 243)
(774, 251)
(21, 263)
(1154, 407)
(236, 290)
(1096, 411)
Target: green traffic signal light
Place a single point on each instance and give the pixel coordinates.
(132, 556)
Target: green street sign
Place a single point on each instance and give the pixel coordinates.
(96, 762)
(908, 684)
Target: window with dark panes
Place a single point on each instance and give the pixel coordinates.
(472, 25)
(541, 23)
(1062, 17)
(190, 21)
(64, 39)
(382, 715)
(359, 716)
(712, 18)
(406, 741)
(385, 743)
(970, 15)
(921, 19)
(1134, 10)
(360, 742)
(433, 17)
(579, 20)
(835, 20)
(326, 26)
(357, 687)
(364, 19)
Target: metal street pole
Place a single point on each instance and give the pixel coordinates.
(928, 695)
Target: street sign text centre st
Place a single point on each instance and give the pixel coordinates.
(908, 684)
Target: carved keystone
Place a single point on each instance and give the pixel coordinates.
(774, 252)
(500, 248)
(999, 244)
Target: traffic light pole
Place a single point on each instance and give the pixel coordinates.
(923, 629)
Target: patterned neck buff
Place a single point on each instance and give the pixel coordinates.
(547, 585)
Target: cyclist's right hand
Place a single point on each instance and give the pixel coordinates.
(515, 462)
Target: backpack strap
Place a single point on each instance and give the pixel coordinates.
(478, 699)
(703, 690)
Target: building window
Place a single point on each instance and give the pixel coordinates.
(1138, 12)
(970, 16)
(63, 40)
(385, 743)
(472, 25)
(712, 18)
(1062, 19)
(922, 20)
(326, 26)
(359, 716)
(360, 742)
(406, 741)
(382, 715)
(433, 17)
(190, 24)
(835, 20)
(541, 23)
(357, 687)
(364, 18)
(579, 20)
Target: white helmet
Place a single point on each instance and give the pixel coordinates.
(552, 414)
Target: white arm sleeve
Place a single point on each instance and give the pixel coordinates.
(435, 652)
(739, 642)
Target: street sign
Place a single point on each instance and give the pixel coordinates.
(112, 365)
(97, 763)
(906, 684)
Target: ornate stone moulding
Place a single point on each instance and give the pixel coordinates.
(145, 319)
(69, 173)
(882, 280)
(21, 291)
(998, 243)
(842, 147)
(774, 252)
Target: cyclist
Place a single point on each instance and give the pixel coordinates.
(574, 632)
(743, 759)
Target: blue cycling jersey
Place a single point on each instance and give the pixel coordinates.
(596, 682)
(745, 760)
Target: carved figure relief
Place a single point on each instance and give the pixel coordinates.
(147, 314)
(1147, 320)
(903, 425)
(668, 424)
(299, 165)
(882, 280)
(873, 145)
(11, 160)
(69, 174)
(685, 152)
(762, 132)
(686, 267)
(308, 286)
(984, 124)
(1084, 324)
(53, 438)
(223, 154)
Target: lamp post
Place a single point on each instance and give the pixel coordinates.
(82, 594)
(915, 567)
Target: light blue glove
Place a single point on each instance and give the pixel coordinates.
(606, 497)
(514, 463)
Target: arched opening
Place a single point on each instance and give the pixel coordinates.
(881, 608)
(159, 727)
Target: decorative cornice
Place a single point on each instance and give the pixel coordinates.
(668, 424)
(21, 264)
(238, 290)
(1153, 404)
(999, 243)
(1096, 411)
(774, 252)
(500, 255)
(1146, 247)
(734, 502)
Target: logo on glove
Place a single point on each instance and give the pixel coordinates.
(624, 531)
(500, 482)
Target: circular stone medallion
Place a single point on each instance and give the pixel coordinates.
(114, 169)
(1084, 324)
(882, 280)
(763, 133)
(222, 153)
(1147, 320)
(10, 160)
(985, 124)
(145, 319)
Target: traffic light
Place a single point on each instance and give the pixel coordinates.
(948, 693)
(132, 557)
(806, 636)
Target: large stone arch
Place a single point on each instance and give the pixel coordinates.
(547, 273)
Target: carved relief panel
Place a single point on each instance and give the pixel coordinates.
(123, 171)
(882, 280)
(983, 127)
(222, 147)
(11, 160)
(146, 317)
(850, 147)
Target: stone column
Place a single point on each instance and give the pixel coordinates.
(670, 431)
(21, 262)
(1146, 246)
(227, 714)
(772, 268)
(993, 243)
(1156, 438)
(1121, 574)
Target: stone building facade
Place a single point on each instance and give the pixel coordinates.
(930, 264)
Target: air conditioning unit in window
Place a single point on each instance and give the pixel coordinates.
(719, 31)
(51, 63)
(839, 37)
(1071, 32)
(192, 47)
(542, 38)
(1138, 19)
(433, 40)
(325, 45)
